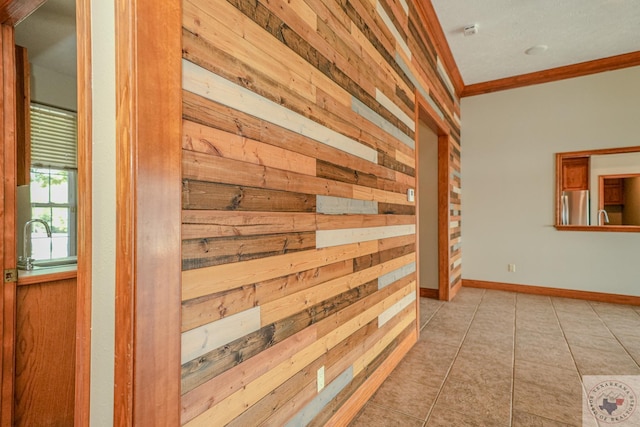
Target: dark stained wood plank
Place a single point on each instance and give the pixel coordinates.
(330, 409)
(209, 195)
(343, 174)
(277, 28)
(198, 253)
(391, 163)
(208, 366)
(367, 261)
(203, 111)
(393, 209)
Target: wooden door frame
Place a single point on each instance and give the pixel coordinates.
(8, 213)
(427, 114)
(148, 213)
(85, 214)
(11, 14)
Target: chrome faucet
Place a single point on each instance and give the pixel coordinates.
(606, 217)
(25, 261)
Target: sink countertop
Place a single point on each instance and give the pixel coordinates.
(47, 274)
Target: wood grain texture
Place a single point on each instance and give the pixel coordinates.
(354, 403)
(205, 252)
(202, 110)
(12, 12)
(23, 116)
(45, 328)
(204, 281)
(7, 215)
(215, 223)
(197, 137)
(267, 83)
(216, 196)
(148, 122)
(84, 217)
(631, 59)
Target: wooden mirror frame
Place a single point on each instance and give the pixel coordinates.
(560, 158)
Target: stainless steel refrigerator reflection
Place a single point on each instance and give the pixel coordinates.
(575, 207)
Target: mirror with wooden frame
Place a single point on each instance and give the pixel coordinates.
(598, 190)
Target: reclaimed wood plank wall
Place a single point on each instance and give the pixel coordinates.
(298, 240)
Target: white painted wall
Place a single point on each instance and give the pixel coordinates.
(509, 140)
(428, 209)
(53, 88)
(104, 213)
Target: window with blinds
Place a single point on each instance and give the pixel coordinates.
(54, 135)
(53, 191)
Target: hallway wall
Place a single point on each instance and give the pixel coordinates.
(298, 239)
(510, 140)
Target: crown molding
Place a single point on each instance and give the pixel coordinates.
(569, 71)
(432, 24)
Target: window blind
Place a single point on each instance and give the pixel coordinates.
(54, 136)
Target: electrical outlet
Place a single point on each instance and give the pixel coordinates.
(320, 378)
(511, 268)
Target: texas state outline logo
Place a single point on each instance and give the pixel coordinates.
(612, 400)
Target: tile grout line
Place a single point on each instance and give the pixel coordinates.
(455, 357)
(513, 360)
(580, 375)
(604, 322)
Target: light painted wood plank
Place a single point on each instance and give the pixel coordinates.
(306, 414)
(372, 352)
(203, 167)
(201, 311)
(199, 399)
(230, 407)
(204, 83)
(392, 28)
(217, 115)
(363, 110)
(389, 313)
(204, 281)
(210, 223)
(375, 58)
(395, 275)
(340, 205)
(291, 304)
(328, 238)
(387, 103)
(227, 29)
(204, 139)
(199, 341)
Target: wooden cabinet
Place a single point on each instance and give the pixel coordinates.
(575, 174)
(613, 191)
(45, 352)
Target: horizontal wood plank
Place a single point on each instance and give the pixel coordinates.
(229, 197)
(205, 252)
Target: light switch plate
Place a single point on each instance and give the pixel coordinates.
(411, 195)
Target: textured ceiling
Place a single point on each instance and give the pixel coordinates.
(574, 30)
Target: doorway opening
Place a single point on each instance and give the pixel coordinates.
(433, 153)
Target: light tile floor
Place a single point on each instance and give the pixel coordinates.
(493, 358)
